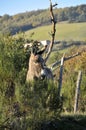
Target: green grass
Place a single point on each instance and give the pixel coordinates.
(64, 31)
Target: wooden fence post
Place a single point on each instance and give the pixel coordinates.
(77, 93)
(60, 76)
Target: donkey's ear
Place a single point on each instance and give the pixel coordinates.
(45, 42)
(40, 52)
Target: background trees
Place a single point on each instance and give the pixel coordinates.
(28, 20)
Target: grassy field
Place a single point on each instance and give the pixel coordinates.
(64, 31)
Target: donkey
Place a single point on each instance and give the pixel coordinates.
(37, 68)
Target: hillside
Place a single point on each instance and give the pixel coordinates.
(28, 20)
(64, 31)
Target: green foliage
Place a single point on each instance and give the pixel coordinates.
(10, 51)
(68, 91)
(41, 99)
(22, 104)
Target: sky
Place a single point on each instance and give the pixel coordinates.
(13, 7)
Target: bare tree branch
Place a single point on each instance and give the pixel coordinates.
(66, 58)
(52, 32)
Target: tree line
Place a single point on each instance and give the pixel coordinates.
(28, 20)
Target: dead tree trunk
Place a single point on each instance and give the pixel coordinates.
(60, 76)
(77, 93)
